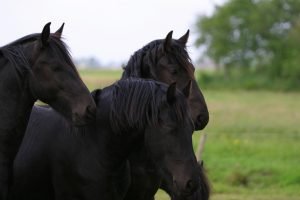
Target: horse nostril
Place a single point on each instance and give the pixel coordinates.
(91, 111)
(201, 121)
(191, 186)
(75, 117)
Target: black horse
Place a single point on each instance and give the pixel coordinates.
(37, 66)
(60, 161)
(164, 60)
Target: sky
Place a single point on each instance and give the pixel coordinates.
(110, 30)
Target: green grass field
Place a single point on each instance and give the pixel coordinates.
(252, 151)
(253, 145)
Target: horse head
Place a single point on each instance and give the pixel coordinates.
(53, 77)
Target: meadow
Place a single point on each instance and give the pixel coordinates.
(252, 151)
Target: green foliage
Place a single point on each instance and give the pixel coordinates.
(259, 35)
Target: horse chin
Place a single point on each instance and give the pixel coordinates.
(198, 126)
(78, 117)
(79, 123)
(82, 121)
(171, 188)
(193, 196)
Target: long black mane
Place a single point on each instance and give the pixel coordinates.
(149, 56)
(14, 51)
(16, 57)
(137, 103)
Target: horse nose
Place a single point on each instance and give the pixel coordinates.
(187, 189)
(91, 109)
(201, 121)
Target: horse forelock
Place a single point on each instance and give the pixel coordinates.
(179, 52)
(136, 103)
(60, 47)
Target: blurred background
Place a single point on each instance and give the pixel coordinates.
(247, 59)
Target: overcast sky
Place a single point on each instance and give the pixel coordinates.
(109, 30)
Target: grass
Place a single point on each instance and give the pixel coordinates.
(253, 146)
(253, 142)
(99, 78)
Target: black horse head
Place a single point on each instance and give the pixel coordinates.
(167, 60)
(160, 115)
(43, 63)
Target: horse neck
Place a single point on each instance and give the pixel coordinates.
(113, 152)
(114, 148)
(16, 100)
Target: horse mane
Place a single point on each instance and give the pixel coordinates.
(14, 51)
(17, 58)
(135, 63)
(148, 55)
(136, 103)
(204, 190)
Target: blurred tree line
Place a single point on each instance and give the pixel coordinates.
(257, 38)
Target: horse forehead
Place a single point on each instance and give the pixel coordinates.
(185, 67)
(49, 58)
(54, 53)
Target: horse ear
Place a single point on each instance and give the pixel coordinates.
(171, 93)
(187, 89)
(168, 41)
(95, 95)
(45, 34)
(58, 33)
(183, 40)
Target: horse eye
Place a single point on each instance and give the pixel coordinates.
(174, 72)
(56, 69)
